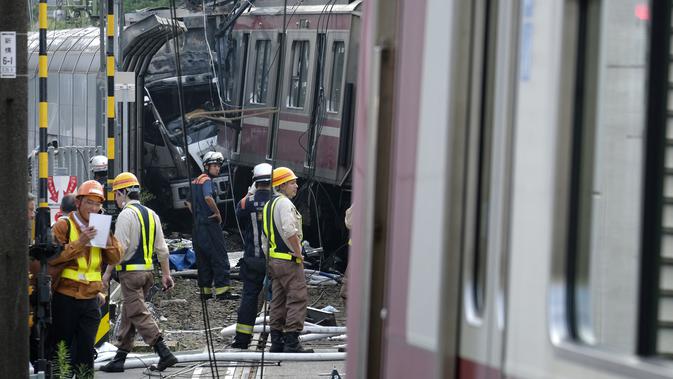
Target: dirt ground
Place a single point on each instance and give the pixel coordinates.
(184, 322)
(181, 313)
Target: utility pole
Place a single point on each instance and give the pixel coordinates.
(14, 188)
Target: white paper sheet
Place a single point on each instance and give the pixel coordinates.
(102, 225)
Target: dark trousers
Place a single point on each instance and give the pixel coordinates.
(211, 256)
(253, 282)
(75, 322)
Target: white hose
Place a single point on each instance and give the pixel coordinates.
(146, 361)
(315, 336)
(307, 329)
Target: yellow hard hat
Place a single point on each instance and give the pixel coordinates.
(125, 180)
(282, 175)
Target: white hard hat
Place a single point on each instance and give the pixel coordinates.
(98, 163)
(262, 172)
(213, 157)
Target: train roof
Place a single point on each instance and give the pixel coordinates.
(262, 9)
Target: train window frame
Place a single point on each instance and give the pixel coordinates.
(332, 41)
(480, 147)
(248, 73)
(291, 37)
(563, 339)
(297, 60)
(255, 97)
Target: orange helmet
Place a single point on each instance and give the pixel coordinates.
(91, 188)
(125, 180)
(282, 175)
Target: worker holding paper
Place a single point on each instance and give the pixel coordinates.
(77, 295)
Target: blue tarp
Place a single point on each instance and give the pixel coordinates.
(182, 259)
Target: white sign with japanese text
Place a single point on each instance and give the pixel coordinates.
(7, 55)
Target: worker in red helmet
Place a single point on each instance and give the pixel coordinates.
(78, 293)
(282, 243)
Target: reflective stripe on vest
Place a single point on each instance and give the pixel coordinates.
(270, 232)
(86, 271)
(147, 227)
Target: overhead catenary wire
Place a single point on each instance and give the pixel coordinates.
(272, 154)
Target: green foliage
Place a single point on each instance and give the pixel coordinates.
(134, 5)
(146, 197)
(62, 367)
(83, 372)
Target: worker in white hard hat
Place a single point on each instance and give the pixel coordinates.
(253, 266)
(208, 241)
(98, 167)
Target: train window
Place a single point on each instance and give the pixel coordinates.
(299, 74)
(230, 64)
(261, 79)
(604, 231)
(336, 78)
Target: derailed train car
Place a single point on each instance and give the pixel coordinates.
(294, 105)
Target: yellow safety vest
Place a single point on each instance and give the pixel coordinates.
(87, 271)
(270, 232)
(147, 227)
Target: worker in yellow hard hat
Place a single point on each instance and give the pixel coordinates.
(139, 231)
(282, 244)
(79, 291)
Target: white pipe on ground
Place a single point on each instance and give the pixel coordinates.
(146, 361)
(314, 337)
(231, 329)
(307, 329)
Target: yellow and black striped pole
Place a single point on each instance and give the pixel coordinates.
(110, 65)
(103, 332)
(42, 220)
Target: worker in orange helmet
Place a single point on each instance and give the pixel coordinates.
(78, 293)
(282, 244)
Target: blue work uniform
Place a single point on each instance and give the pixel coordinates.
(253, 267)
(211, 254)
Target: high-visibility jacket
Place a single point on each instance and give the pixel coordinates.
(87, 270)
(142, 258)
(278, 249)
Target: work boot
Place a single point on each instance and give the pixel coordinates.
(292, 344)
(205, 293)
(277, 342)
(206, 296)
(117, 363)
(241, 342)
(227, 296)
(166, 358)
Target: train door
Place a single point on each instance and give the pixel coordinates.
(259, 88)
(296, 97)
